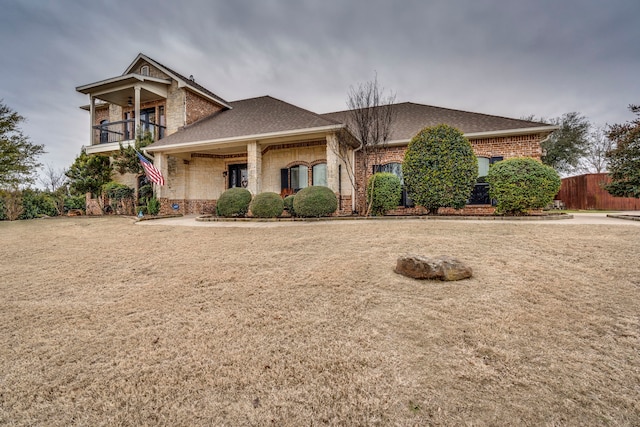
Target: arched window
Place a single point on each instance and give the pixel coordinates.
(299, 177)
(144, 70)
(319, 174)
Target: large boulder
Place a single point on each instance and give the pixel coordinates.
(438, 268)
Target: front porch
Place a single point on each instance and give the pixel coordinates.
(195, 180)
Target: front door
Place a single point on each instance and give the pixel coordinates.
(238, 176)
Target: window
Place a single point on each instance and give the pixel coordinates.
(396, 169)
(144, 70)
(104, 131)
(483, 166)
(480, 192)
(299, 177)
(319, 174)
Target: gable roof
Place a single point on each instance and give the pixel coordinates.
(254, 118)
(191, 84)
(411, 118)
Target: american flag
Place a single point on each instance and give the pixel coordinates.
(152, 172)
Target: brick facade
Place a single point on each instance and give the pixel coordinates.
(507, 147)
(197, 107)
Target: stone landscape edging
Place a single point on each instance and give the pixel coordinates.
(211, 218)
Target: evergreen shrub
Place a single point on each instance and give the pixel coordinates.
(440, 168)
(36, 204)
(267, 205)
(315, 201)
(521, 184)
(233, 203)
(288, 205)
(383, 192)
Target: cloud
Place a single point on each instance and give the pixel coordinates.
(508, 58)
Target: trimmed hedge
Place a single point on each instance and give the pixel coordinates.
(383, 192)
(288, 205)
(234, 202)
(440, 168)
(521, 184)
(267, 205)
(315, 201)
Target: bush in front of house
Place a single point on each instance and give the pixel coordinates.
(383, 192)
(233, 203)
(74, 202)
(36, 204)
(288, 204)
(440, 168)
(521, 184)
(153, 206)
(267, 205)
(315, 201)
(116, 191)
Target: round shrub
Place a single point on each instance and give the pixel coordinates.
(233, 202)
(383, 192)
(315, 201)
(521, 184)
(288, 205)
(267, 205)
(440, 168)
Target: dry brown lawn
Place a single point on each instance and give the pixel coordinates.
(107, 322)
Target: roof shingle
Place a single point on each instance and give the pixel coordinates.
(254, 116)
(411, 118)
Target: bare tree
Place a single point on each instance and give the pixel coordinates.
(595, 157)
(52, 179)
(368, 127)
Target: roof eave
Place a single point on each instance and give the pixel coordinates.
(91, 87)
(245, 138)
(181, 82)
(492, 134)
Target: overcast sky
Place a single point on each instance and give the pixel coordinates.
(506, 57)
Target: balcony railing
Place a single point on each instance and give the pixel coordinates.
(124, 131)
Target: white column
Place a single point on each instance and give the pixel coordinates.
(333, 163)
(254, 167)
(92, 119)
(137, 110)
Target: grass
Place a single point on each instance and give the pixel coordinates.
(104, 322)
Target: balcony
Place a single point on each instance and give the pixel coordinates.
(123, 130)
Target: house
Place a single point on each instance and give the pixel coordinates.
(205, 144)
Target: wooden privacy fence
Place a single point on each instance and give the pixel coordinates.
(587, 192)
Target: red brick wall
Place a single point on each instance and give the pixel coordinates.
(507, 147)
(187, 206)
(198, 107)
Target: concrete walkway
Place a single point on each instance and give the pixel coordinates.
(582, 218)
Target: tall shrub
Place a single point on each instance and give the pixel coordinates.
(521, 184)
(440, 168)
(383, 192)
